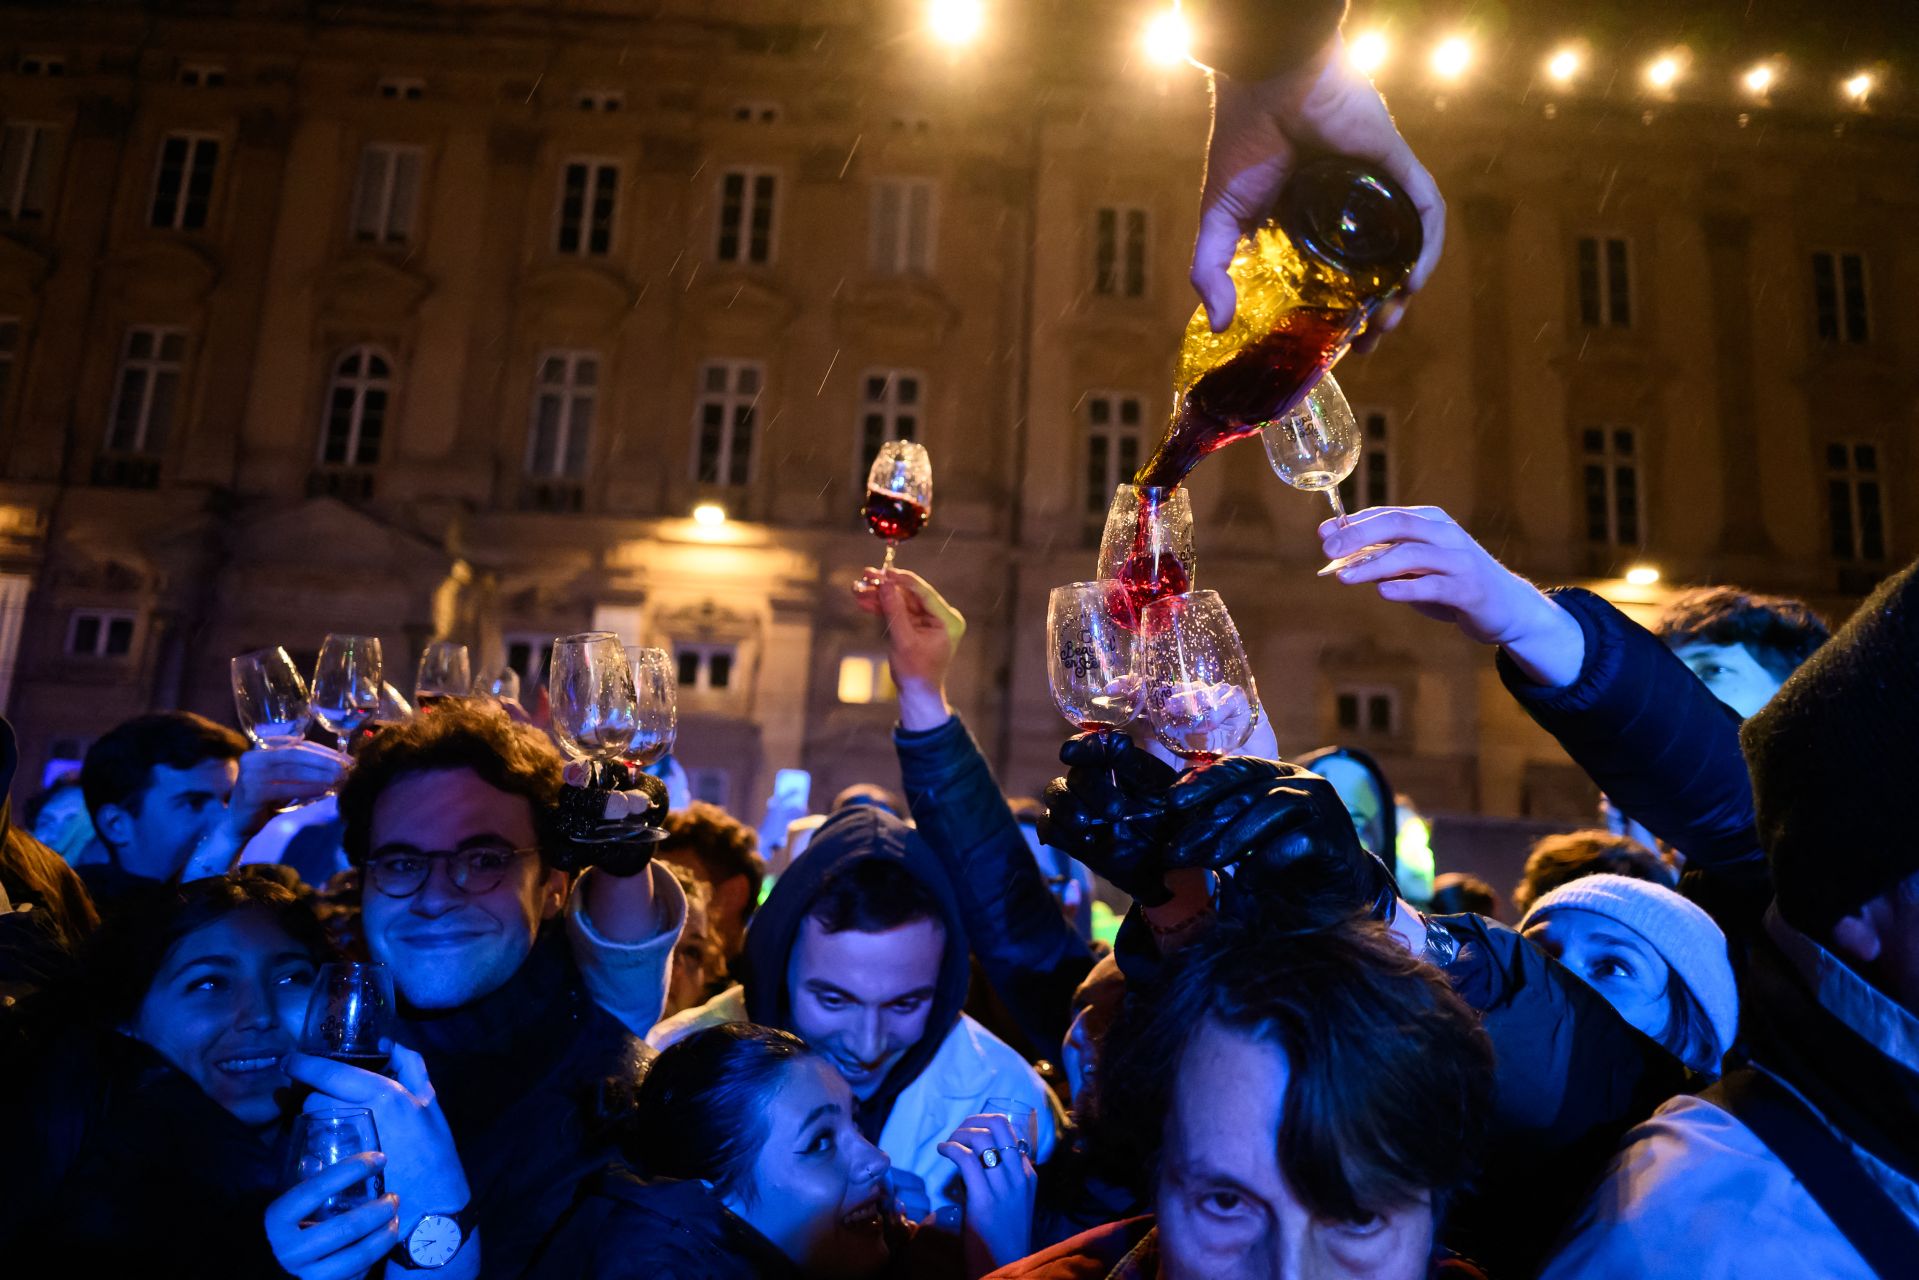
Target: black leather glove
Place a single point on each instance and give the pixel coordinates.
(1109, 811)
(610, 814)
(1285, 832)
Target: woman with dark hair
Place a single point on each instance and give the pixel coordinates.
(756, 1168)
(148, 1138)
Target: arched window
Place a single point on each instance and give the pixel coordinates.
(356, 407)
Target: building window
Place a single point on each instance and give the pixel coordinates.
(705, 668)
(747, 199)
(183, 185)
(100, 633)
(589, 195)
(563, 404)
(866, 678)
(403, 88)
(1839, 296)
(26, 171)
(1611, 462)
(756, 112)
(903, 227)
(601, 100)
(203, 75)
(9, 352)
(1605, 282)
(1112, 447)
(529, 656)
(42, 64)
(1367, 710)
(889, 410)
(356, 409)
(1119, 260)
(1370, 484)
(1855, 501)
(147, 391)
(728, 414)
(387, 194)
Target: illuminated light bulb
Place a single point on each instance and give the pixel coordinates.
(710, 514)
(1858, 87)
(1367, 53)
(1563, 66)
(956, 22)
(1642, 575)
(1168, 39)
(1663, 72)
(1759, 79)
(1452, 57)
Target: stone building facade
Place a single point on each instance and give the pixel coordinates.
(427, 319)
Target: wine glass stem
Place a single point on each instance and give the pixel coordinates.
(1339, 508)
(887, 563)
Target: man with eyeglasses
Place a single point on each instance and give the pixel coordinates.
(518, 984)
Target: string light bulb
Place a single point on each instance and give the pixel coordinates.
(1367, 53)
(1858, 87)
(956, 22)
(1663, 72)
(1564, 65)
(1451, 58)
(1759, 80)
(1168, 39)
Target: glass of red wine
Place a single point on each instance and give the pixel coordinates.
(899, 494)
(1200, 696)
(1090, 657)
(1146, 550)
(350, 1015)
(445, 672)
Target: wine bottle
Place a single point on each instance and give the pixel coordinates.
(1342, 240)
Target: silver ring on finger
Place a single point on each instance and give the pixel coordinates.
(1023, 1146)
(991, 1157)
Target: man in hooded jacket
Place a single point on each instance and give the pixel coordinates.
(861, 950)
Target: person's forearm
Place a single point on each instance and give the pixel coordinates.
(622, 907)
(923, 706)
(1549, 648)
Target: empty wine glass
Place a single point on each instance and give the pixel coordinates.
(350, 1015)
(445, 672)
(346, 685)
(1146, 550)
(1089, 657)
(899, 494)
(656, 688)
(1200, 697)
(1315, 447)
(321, 1139)
(502, 684)
(270, 698)
(595, 711)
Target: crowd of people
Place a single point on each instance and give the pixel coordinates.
(902, 1052)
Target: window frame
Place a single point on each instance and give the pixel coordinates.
(890, 410)
(1856, 478)
(1614, 307)
(750, 176)
(401, 88)
(1366, 696)
(193, 138)
(1375, 462)
(602, 101)
(1123, 284)
(102, 647)
(902, 260)
(705, 651)
(881, 691)
(201, 75)
(1116, 432)
(153, 365)
(394, 154)
(360, 384)
(731, 401)
(595, 167)
(1611, 460)
(569, 391)
(43, 134)
(1844, 295)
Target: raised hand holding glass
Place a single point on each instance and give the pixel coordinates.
(320, 1140)
(899, 494)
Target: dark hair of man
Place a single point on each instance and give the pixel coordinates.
(1457, 893)
(119, 767)
(723, 845)
(872, 895)
(1778, 632)
(510, 757)
(701, 1107)
(1389, 1085)
(1562, 859)
(133, 942)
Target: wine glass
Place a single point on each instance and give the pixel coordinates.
(899, 494)
(1146, 550)
(445, 672)
(1200, 697)
(502, 684)
(346, 685)
(656, 687)
(321, 1139)
(270, 698)
(595, 710)
(350, 1015)
(1316, 446)
(1089, 657)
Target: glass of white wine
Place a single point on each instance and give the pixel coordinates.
(1315, 447)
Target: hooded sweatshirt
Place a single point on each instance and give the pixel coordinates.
(953, 1068)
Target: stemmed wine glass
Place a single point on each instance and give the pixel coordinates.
(899, 494)
(1146, 549)
(350, 1015)
(270, 698)
(346, 685)
(501, 683)
(1315, 447)
(445, 672)
(321, 1139)
(656, 688)
(1200, 697)
(1090, 657)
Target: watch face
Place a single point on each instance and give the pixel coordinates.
(434, 1242)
